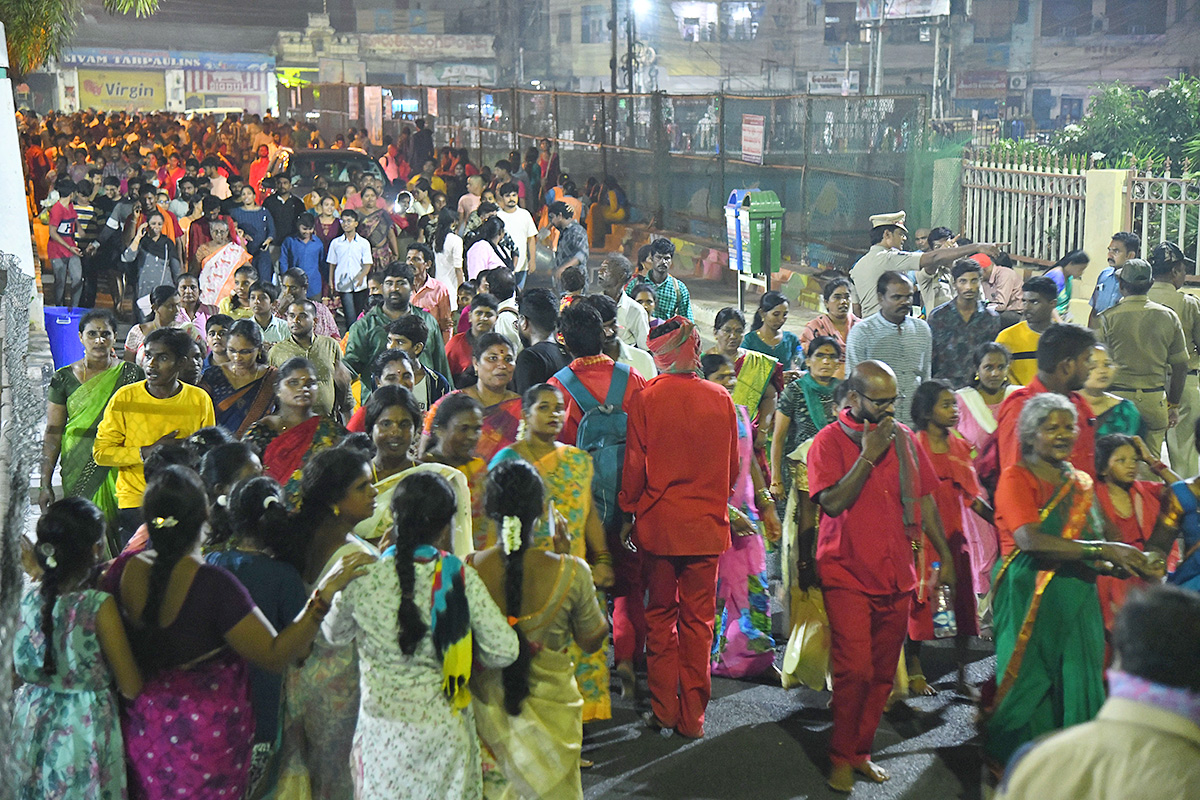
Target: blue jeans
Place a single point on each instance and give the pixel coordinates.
(353, 304)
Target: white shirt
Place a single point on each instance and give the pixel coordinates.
(639, 360)
(506, 323)
(347, 258)
(633, 324)
(519, 225)
(447, 263)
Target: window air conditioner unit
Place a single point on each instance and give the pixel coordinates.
(1018, 83)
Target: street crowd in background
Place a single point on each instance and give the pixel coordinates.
(369, 504)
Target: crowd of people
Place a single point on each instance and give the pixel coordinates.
(132, 202)
(411, 551)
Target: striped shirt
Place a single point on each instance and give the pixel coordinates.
(907, 348)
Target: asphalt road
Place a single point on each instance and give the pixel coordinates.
(763, 742)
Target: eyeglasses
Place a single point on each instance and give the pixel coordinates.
(882, 402)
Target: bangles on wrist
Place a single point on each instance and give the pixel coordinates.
(604, 557)
(1091, 552)
(317, 604)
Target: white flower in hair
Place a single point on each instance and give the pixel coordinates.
(510, 534)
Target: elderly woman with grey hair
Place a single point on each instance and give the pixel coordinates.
(1048, 627)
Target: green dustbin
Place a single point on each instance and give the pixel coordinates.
(761, 220)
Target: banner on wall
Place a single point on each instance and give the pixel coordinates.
(121, 90)
(373, 113)
(225, 89)
(753, 126)
(445, 74)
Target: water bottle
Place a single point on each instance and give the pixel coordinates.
(944, 624)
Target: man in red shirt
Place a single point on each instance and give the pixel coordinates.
(1063, 362)
(583, 334)
(678, 475)
(64, 254)
(875, 487)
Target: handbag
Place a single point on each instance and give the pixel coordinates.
(806, 659)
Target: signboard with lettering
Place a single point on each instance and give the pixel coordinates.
(753, 127)
(980, 84)
(166, 59)
(902, 9)
(122, 90)
(833, 82)
(442, 74)
(420, 47)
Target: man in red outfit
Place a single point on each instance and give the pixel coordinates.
(582, 330)
(875, 488)
(676, 483)
(1063, 362)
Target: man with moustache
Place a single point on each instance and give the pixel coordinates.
(895, 337)
(961, 325)
(875, 487)
(1124, 246)
(368, 336)
(1063, 363)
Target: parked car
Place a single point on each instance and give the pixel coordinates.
(335, 165)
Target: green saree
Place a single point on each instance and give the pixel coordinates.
(82, 476)
(1049, 631)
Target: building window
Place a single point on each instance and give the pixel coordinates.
(696, 20)
(740, 21)
(564, 27)
(994, 21)
(593, 29)
(1068, 18)
(839, 23)
(1136, 17)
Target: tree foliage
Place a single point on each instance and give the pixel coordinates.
(1125, 124)
(38, 30)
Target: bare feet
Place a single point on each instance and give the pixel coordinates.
(872, 771)
(918, 686)
(964, 689)
(841, 778)
(628, 678)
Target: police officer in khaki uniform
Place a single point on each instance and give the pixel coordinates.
(1170, 266)
(1147, 344)
(887, 238)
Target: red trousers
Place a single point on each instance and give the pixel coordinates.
(866, 637)
(679, 634)
(629, 609)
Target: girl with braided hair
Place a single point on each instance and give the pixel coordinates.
(194, 627)
(69, 645)
(530, 716)
(417, 617)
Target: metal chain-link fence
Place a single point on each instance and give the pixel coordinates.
(833, 161)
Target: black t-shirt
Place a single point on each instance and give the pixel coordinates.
(538, 363)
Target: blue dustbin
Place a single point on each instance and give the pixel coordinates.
(62, 328)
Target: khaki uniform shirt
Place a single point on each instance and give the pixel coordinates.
(1187, 308)
(1145, 340)
(325, 354)
(1131, 749)
(866, 271)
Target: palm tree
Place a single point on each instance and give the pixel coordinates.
(38, 30)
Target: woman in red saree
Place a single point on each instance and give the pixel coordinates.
(1048, 626)
(493, 361)
(1132, 507)
(286, 439)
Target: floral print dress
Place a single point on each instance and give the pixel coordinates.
(410, 742)
(66, 734)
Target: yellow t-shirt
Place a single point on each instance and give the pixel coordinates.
(244, 312)
(1022, 341)
(134, 418)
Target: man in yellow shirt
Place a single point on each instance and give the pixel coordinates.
(147, 413)
(1040, 295)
